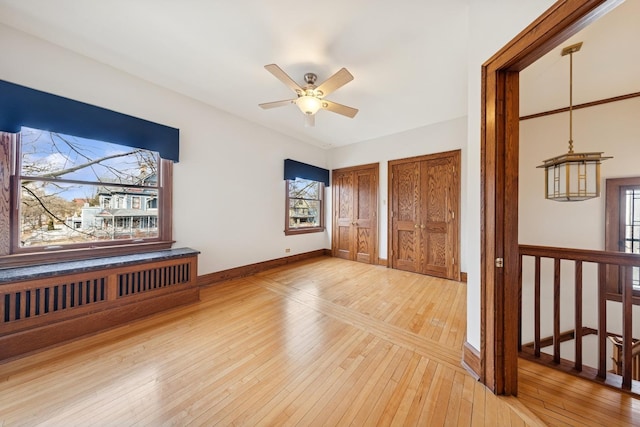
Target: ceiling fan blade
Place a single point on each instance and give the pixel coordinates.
(309, 120)
(284, 78)
(275, 104)
(334, 107)
(339, 79)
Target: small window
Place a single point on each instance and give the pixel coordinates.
(304, 207)
(76, 192)
(623, 228)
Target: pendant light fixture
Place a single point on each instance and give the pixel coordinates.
(572, 177)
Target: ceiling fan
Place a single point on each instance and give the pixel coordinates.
(311, 97)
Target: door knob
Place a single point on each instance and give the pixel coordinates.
(421, 225)
(416, 226)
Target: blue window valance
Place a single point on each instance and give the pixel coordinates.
(294, 169)
(23, 106)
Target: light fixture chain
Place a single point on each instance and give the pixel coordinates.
(571, 103)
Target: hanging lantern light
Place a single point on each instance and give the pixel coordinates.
(572, 177)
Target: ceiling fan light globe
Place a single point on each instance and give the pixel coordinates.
(309, 104)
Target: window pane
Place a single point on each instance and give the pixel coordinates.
(58, 156)
(53, 213)
(632, 229)
(304, 189)
(304, 213)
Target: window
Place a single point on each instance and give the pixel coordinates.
(76, 193)
(623, 228)
(304, 206)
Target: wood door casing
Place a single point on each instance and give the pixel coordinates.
(424, 214)
(499, 179)
(355, 217)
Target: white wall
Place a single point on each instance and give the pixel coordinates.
(228, 185)
(612, 128)
(445, 136)
(492, 23)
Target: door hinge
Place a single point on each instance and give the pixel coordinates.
(499, 262)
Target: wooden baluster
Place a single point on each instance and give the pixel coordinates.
(182, 280)
(556, 310)
(602, 320)
(627, 325)
(536, 337)
(578, 319)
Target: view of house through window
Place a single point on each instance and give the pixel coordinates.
(75, 190)
(631, 228)
(304, 202)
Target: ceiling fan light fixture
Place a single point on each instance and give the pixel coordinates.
(309, 104)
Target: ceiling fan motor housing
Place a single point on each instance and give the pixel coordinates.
(310, 78)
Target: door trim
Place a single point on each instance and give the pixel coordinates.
(499, 177)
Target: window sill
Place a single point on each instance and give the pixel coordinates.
(309, 230)
(25, 259)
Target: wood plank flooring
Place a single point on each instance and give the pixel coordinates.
(322, 342)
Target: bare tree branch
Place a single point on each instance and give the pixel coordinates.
(54, 216)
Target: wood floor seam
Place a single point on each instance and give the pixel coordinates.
(424, 346)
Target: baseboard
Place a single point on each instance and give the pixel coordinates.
(471, 360)
(383, 262)
(248, 270)
(463, 276)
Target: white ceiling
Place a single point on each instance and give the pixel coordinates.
(408, 57)
(607, 65)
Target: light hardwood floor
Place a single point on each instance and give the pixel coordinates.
(322, 342)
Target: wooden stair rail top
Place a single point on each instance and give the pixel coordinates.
(45, 305)
(587, 255)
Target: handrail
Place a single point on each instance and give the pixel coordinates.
(585, 255)
(605, 260)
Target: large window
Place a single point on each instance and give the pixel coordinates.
(72, 193)
(623, 228)
(304, 207)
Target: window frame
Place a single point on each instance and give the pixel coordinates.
(614, 218)
(11, 254)
(288, 230)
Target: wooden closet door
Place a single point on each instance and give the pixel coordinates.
(436, 225)
(405, 216)
(424, 214)
(365, 214)
(355, 213)
(343, 206)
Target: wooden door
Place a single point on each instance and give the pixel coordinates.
(439, 231)
(405, 216)
(424, 214)
(355, 207)
(343, 215)
(365, 213)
